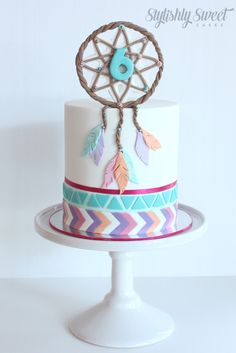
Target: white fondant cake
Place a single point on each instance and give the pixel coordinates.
(146, 206)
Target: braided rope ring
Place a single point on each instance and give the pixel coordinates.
(83, 81)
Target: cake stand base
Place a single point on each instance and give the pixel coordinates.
(122, 319)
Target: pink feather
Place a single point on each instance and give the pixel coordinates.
(109, 172)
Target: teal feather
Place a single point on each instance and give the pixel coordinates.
(132, 174)
(92, 140)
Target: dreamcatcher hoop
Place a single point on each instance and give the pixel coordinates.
(92, 38)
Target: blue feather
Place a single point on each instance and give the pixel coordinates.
(132, 174)
(92, 140)
(98, 152)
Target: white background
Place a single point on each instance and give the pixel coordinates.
(38, 43)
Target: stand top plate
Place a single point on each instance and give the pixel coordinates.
(43, 228)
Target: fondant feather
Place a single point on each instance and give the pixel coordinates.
(151, 141)
(142, 148)
(109, 172)
(98, 152)
(92, 140)
(121, 172)
(132, 174)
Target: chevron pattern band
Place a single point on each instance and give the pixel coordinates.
(94, 211)
(120, 223)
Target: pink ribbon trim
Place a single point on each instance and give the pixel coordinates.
(117, 192)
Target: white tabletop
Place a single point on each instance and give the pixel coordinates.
(44, 229)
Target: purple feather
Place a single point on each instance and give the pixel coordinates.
(98, 151)
(141, 148)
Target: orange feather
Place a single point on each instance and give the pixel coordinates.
(121, 172)
(151, 141)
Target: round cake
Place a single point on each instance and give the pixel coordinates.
(148, 204)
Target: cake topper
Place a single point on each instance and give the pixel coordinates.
(119, 68)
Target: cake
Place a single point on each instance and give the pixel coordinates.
(121, 154)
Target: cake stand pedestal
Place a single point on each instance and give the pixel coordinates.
(122, 319)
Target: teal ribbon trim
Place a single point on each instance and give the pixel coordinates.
(120, 202)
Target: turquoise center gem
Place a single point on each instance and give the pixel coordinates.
(121, 67)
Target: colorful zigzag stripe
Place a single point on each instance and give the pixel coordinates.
(119, 223)
(170, 215)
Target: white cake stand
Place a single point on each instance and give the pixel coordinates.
(122, 319)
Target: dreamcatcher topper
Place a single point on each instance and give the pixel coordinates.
(119, 65)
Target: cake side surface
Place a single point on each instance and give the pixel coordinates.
(146, 206)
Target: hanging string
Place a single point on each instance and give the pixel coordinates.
(135, 121)
(118, 129)
(104, 116)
